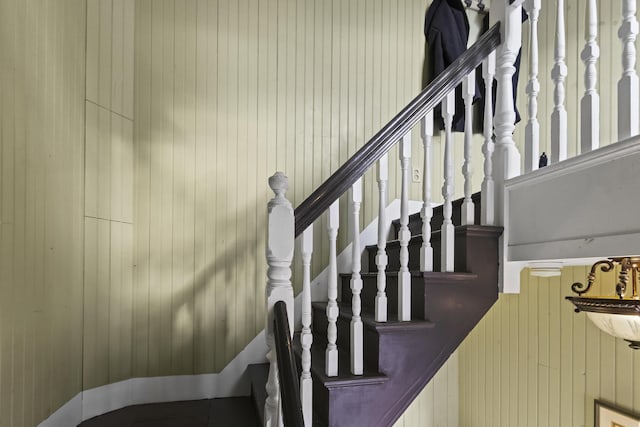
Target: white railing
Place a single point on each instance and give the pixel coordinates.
(501, 161)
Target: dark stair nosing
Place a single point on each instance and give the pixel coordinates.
(368, 320)
(344, 378)
(436, 275)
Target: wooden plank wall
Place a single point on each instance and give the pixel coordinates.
(226, 93)
(42, 50)
(437, 404)
(108, 296)
(533, 362)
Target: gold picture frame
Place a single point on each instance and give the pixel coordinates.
(607, 415)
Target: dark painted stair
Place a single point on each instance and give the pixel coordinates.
(232, 411)
(401, 357)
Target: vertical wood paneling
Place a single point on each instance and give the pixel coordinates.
(142, 158)
(108, 314)
(437, 403)
(574, 363)
(41, 205)
(277, 84)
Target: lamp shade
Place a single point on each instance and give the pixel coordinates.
(617, 317)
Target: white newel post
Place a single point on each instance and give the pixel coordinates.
(559, 74)
(426, 251)
(590, 119)
(356, 283)
(280, 244)
(468, 92)
(487, 206)
(381, 255)
(331, 354)
(404, 235)
(306, 337)
(532, 130)
(506, 158)
(628, 88)
(447, 232)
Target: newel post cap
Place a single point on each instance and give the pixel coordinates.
(279, 183)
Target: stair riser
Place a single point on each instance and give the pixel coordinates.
(370, 338)
(393, 255)
(415, 221)
(370, 290)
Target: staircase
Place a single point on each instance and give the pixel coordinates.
(382, 335)
(401, 356)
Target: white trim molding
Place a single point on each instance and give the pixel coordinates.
(578, 209)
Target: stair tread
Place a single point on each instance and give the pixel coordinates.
(344, 378)
(235, 411)
(369, 321)
(417, 238)
(440, 275)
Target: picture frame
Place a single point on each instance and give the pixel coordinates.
(607, 415)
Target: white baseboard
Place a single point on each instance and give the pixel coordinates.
(231, 381)
(70, 414)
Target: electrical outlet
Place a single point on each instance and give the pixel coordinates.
(416, 175)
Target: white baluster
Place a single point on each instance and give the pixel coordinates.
(559, 74)
(404, 235)
(280, 243)
(331, 359)
(381, 255)
(532, 130)
(506, 158)
(447, 233)
(488, 203)
(628, 88)
(356, 283)
(590, 118)
(468, 92)
(306, 337)
(426, 251)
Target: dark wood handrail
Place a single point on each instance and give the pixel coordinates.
(330, 190)
(287, 372)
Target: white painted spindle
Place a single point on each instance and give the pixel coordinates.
(488, 203)
(468, 92)
(404, 235)
(506, 158)
(426, 251)
(280, 244)
(306, 337)
(628, 87)
(590, 103)
(447, 233)
(381, 255)
(532, 130)
(331, 354)
(559, 74)
(356, 283)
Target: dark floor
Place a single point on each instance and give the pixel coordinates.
(232, 411)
